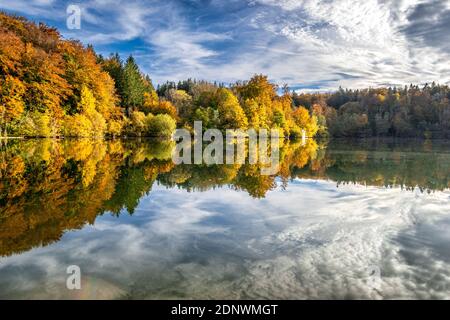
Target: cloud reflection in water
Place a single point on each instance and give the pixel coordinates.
(312, 240)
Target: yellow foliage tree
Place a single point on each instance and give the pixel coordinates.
(251, 108)
(231, 115)
(262, 92)
(36, 124)
(151, 100)
(138, 123)
(161, 107)
(304, 121)
(77, 125)
(115, 128)
(11, 103)
(87, 106)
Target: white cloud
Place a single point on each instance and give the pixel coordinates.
(361, 39)
(309, 241)
(316, 44)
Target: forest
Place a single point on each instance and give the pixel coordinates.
(412, 111)
(52, 87)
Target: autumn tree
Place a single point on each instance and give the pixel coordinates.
(11, 101)
(262, 92)
(231, 115)
(305, 121)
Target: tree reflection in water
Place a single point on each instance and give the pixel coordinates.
(50, 186)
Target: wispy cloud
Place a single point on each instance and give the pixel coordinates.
(311, 240)
(305, 43)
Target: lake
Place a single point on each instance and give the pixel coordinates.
(340, 220)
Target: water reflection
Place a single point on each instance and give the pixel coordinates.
(148, 229)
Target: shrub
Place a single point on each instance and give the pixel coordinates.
(115, 128)
(77, 125)
(36, 124)
(162, 126)
(138, 122)
(98, 124)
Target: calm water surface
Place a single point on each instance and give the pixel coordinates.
(359, 220)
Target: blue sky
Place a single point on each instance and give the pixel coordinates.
(310, 45)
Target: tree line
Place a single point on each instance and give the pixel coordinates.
(52, 87)
(411, 111)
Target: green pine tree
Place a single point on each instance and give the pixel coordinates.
(134, 85)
